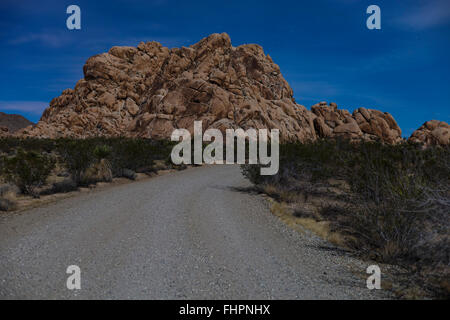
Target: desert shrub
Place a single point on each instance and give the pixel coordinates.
(386, 231)
(77, 156)
(252, 173)
(378, 172)
(312, 161)
(433, 245)
(28, 170)
(10, 144)
(374, 171)
(131, 154)
(397, 209)
(414, 233)
(102, 151)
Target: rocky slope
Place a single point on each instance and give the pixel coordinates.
(432, 132)
(150, 90)
(10, 123)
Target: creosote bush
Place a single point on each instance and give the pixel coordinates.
(134, 155)
(28, 170)
(87, 160)
(77, 156)
(397, 206)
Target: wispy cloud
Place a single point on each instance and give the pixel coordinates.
(51, 39)
(61, 39)
(32, 107)
(430, 14)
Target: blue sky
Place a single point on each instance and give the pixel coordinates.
(323, 48)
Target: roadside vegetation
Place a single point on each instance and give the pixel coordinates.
(388, 203)
(35, 167)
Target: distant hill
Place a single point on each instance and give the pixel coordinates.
(13, 122)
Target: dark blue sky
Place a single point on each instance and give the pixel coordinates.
(323, 47)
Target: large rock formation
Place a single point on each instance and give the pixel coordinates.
(150, 90)
(365, 124)
(10, 123)
(432, 132)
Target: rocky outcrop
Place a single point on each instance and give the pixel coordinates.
(4, 131)
(365, 124)
(10, 123)
(150, 90)
(432, 132)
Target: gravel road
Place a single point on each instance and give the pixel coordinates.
(183, 235)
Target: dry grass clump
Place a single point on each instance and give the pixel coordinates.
(305, 218)
(97, 172)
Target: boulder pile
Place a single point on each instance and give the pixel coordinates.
(365, 124)
(432, 132)
(149, 90)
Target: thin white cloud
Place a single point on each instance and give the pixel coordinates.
(33, 107)
(430, 14)
(54, 40)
